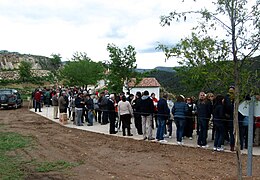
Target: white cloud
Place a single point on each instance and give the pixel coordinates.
(43, 27)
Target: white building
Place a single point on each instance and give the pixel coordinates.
(149, 84)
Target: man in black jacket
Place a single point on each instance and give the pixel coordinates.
(136, 104)
(147, 110)
(111, 105)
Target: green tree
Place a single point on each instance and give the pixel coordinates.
(82, 71)
(241, 23)
(121, 67)
(203, 63)
(55, 62)
(25, 71)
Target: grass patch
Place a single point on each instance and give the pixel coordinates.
(11, 141)
(10, 165)
(55, 166)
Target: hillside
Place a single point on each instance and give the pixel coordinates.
(172, 82)
(11, 60)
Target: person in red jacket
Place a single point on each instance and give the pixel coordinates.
(155, 101)
(37, 99)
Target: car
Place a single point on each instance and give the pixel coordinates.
(10, 98)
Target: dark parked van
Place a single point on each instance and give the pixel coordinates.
(10, 98)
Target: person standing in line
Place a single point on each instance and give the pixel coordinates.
(147, 110)
(89, 109)
(211, 98)
(162, 116)
(125, 112)
(37, 99)
(179, 111)
(203, 115)
(218, 120)
(170, 119)
(136, 104)
(155, 101)
(96, 108)
(55, 104)
(62, 103)
(229, 113)
(188, 130)
(111, 104)
(103, 107)
(79, 105)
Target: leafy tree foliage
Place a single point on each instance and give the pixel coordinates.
(81, 70)
(25, 71)
(121, 67)
(201, 60)
(55, 62)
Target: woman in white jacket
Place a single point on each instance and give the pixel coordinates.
(125, 112)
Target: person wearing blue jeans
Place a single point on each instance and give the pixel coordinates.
(179, 111)
(180, 124)
(162, 116)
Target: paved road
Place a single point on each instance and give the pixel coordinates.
(104, 129)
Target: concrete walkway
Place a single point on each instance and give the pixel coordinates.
(104, 129)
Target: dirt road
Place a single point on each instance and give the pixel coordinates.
(109, 157)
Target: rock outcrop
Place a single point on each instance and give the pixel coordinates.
(10, 61)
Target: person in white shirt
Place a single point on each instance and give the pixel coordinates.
(125, 112)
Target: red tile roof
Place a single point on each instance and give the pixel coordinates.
(145, 82)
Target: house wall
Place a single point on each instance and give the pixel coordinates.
(155, 90)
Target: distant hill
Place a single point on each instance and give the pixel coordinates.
(159, 68)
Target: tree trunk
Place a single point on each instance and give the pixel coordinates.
(233, 17)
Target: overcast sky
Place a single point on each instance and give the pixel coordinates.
(43, 27)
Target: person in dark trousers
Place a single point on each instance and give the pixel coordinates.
(112, 114)
(229, 113)
(190, 119)
(103, 108)
(203, 115)
(89, 109)
(79, 105)
(37, 100)
(136, 104)
(125, 112)
(179, 111)
(218, 120)
(162, 116)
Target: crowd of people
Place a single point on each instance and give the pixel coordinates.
(149, 114)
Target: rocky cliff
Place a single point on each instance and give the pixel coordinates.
(10, 61)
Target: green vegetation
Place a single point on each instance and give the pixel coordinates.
(55, 166)
(81, 70)
(25, 68)
(121, 67)
(10, 166)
